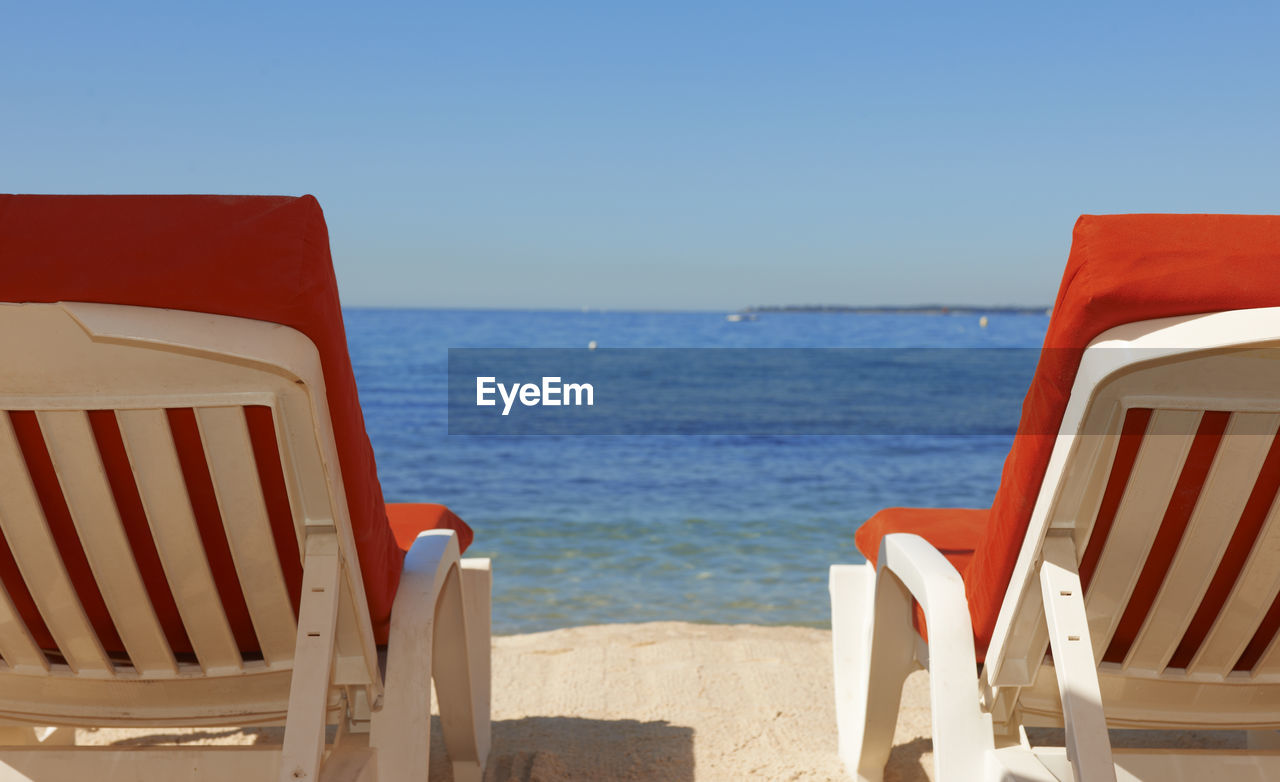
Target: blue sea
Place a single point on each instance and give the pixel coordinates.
(589, 529)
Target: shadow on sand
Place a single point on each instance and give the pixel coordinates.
(904, 761)
(552, 749)
(533, 749)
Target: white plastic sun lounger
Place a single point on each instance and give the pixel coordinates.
(322, 669)
(1044, 665)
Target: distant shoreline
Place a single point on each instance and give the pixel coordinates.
(922, 309)
(880, 309)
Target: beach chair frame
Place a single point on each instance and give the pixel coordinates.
(1178, 368)
(63, 360)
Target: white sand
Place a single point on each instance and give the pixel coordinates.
(672, 701)
(664, 701)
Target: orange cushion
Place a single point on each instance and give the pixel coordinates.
(260, 257)
(953, 531)
(409, 519)
(1122, 269)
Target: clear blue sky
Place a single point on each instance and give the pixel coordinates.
(660, 154)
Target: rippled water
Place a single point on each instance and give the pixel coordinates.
(615, 528)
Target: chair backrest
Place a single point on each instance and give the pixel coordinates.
(258, 257)
(1122, 269)
(1164, 477)
(123, 612)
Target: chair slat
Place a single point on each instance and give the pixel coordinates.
(36, 553)
(1235, 469)
(161, 486)
(1255, 589)
(229, 453)
(93, 509)
(16, 644)
(1269, 663)
(1168, 439)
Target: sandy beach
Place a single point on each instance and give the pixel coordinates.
(664, 701)
(656, 701)
(673, 702)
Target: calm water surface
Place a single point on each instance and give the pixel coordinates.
(727, 529)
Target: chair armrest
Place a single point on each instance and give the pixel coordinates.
(909, 567)
(430, 640)
(936, 585)
(431, 550)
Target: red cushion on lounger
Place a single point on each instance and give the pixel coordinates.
(260, 257)
(953, 531)
(1122, 269)
(408, 519)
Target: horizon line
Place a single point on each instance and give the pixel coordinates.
(766, 309)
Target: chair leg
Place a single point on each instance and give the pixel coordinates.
(460, 667)
(852, 589)
(891, 658)
(440, 630)
(869, 632)
(477, 592)
(400, 730)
